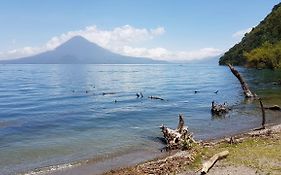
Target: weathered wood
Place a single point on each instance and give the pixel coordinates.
(247, 92)
(181, 124)
(219, 109)
(177, 138)
(210, 163)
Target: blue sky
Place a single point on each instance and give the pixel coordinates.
(186, 27)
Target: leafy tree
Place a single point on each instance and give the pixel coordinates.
(266, 56)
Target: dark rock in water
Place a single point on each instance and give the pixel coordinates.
(195, 92)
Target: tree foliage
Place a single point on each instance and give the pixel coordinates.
(266, 56)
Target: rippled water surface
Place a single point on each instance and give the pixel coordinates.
(53, 114)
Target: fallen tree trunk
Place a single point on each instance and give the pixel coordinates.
(210, 163)
(179, 138)
(247, 92)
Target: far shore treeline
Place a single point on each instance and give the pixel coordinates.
(260, 48)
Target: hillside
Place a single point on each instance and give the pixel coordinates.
(78, 50)
(268, 31)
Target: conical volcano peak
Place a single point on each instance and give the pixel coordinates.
(78, 50)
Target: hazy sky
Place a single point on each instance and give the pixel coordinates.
(163, 29)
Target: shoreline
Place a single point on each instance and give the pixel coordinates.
(96, 166)
(186, 162)
(110, 165)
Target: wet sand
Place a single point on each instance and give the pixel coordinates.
(95, 167)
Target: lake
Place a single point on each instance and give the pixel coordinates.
(70, 114)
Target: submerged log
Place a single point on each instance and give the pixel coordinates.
(247, 92)
(210, 163)
(155, 98)
(108, 93)
(274, 108)
(179, 138)
(219, 109)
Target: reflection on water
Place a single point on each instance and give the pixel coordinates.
(52, 114)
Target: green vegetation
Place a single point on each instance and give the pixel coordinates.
(266, 34)
(266, 56)
(259, 153)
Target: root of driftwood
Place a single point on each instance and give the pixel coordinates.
(155, 98)
(179, 138)
(219, 109)
(247, 92)
(210, 163)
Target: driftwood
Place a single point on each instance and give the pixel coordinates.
(247, 92)
(179, 138)
(274, 108)
(219, 109)
(263, 117)
(108, 93)
(155, 98)
(210, 163)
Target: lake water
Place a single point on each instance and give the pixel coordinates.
(58, 114)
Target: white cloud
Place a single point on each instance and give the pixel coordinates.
(16, 53)
(241, 33)
(164, 54)
(120, 40)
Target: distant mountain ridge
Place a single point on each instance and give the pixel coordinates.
(79, 50)
(269, 30)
